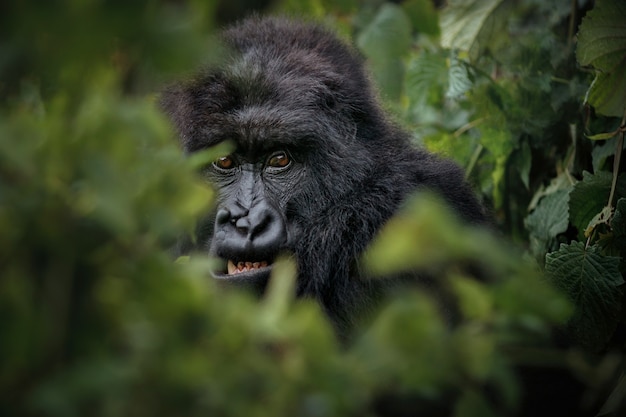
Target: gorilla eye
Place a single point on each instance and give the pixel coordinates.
(279, 160)
(225, 162)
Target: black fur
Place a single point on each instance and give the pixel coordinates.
(294, 86)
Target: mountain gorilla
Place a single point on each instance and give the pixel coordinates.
(316, 167)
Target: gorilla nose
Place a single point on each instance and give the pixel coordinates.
(250, 233)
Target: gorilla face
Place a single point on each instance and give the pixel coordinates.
(276, 180)
(251, 225)
(250, 229)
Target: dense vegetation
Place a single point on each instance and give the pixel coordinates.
(96, 318)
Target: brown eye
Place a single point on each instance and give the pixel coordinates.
(225, 162)
(279, 160)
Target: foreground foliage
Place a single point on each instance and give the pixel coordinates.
(96, 319)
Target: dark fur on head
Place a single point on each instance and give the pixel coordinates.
(297, 84)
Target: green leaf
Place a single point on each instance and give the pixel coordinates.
(462, 22)
(600, 153)
(524, 163)
(427, 73)
(475, 300)
(459, 78)
(340, 6)
(589, 197)
(389, 34)
(616, 242)
(602, 45)
(389, 74)
(602, 136)
(384, 42)
(601, 218)
(618, 223)
(281, 290)
(472, 404)
(592, 281)
(548, 220)
(404, 331)
(500, 145)
(426, 234)
(423, 16)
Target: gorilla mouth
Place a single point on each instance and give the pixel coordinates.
(234, 268)
(243, 274)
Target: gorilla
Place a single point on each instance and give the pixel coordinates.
(316, 167)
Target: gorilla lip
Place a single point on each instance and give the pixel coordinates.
(241, 267)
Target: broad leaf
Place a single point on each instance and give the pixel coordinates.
(426, 234)
(548, 220)
(459, 78)
(590, 196)
(423, 15)
(618, 224)
(385, 41)
(602, 45)
(462, 22)
(600, 153)
(427, 74)
(592, 282)
(499, 143)
(389, 34)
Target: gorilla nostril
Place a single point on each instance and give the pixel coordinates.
(223, 216)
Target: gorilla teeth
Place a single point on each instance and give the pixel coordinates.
(240, 267)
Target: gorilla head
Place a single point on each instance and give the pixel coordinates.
(316, 167)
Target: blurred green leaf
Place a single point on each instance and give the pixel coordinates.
(602, 136)
(548, 220)
(500, 145)
(462, 21)
(384, 42)
(281, 292)
(472, 404)
(406, 330)
(459, 78)
(426, 73)
(425, 235)
(424, 18)
(474, 298)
